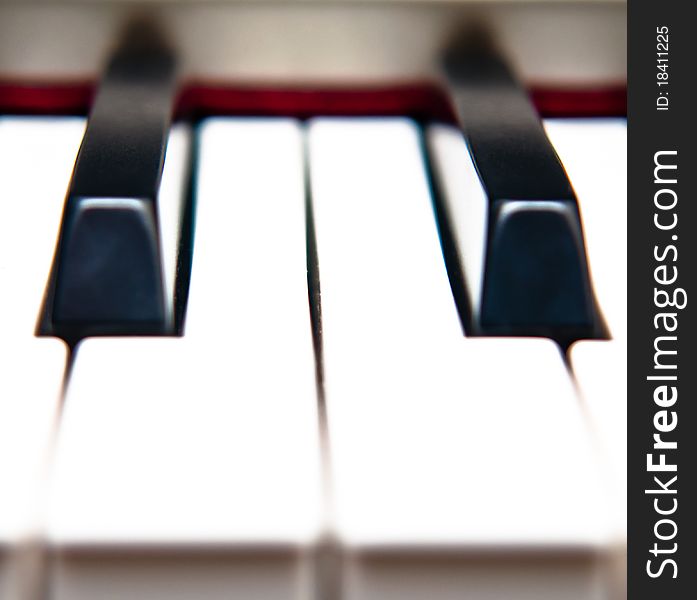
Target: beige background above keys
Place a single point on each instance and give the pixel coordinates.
(557, 43)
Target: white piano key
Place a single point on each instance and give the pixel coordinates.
(30, 387)
(203, 453)
(458, 464)
(594, 153)
(468, 436)
(249, 256)
(36, 159)
(600, 370)
(182, 473)
(468, 215)
(377, 239)
(171, 203)
(473, 462)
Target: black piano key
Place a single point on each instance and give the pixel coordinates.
(108, 276)
(536, 279)
(543, 288)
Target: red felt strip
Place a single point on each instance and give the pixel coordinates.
(420, 101)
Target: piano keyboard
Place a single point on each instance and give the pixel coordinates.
(341, 358)
(203, 465)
